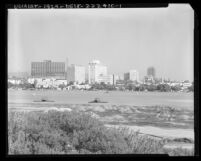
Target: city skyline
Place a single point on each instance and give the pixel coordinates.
(122, 39)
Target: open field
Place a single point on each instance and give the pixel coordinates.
(173, 99)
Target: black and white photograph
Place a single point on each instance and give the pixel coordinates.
(101, 81)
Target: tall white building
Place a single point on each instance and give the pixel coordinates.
(76, 73)
(96, 72)
(134, 75)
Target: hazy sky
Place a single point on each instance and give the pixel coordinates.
(121, 38)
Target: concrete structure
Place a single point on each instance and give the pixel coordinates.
(126, 76)
(96, 72)
(107, 79)
(148, 79)
(132, 75)
(31, 80)
(76, 73)
(15, 81)
(48, 68)
(49, 82)
(186, 85)
(151, 72)
(66, 68)
(114, 79)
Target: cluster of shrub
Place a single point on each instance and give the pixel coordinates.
(141, 87)
(109, 87)
(57, 132)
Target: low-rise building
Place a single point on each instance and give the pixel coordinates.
(107, 79)
(49, 82)
(186, 85)
(31, 80)
(15, 81)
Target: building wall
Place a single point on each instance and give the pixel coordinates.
(151, 72)
(96, 71)
(134, 75)
(48, 69)
(76, 74)
(107, 79)
(100, 71)
(71, 74)
(91, 74)
(115, 78)
(80, 74)
(126, 76)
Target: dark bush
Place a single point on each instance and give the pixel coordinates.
(56, 132)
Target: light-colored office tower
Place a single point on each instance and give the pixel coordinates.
(76, 73)
(96, 72)
(134, 75)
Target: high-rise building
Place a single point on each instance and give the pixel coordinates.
(66, 68)
(132, 75)
(114, 79)
(47, 68)
(151, 72)
(76, 73)
(126, 76)
(96, 72)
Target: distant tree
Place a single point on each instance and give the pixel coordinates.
(176, 88)
(186, 81)
(163, 87)
(142, 87)
(130, 87)
(151, 87)
(191, 88)
(35, 83)
(10, 84)
(110, 87)
(62, 86)
(70, 83)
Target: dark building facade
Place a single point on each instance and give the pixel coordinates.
(126, 76)
(151, 72)
(47, 68)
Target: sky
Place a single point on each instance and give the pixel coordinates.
(121, 38)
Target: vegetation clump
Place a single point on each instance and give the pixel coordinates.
(56, 132)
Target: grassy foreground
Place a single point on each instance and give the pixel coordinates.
(55, 132)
